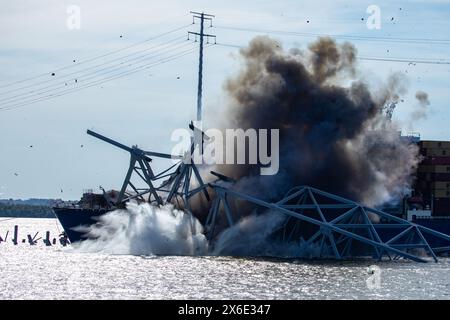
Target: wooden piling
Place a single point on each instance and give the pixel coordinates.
(33, 240)
(47, 239)
(16, 235)
(30, 240)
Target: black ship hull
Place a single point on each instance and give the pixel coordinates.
(71, 218)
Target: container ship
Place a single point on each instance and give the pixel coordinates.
(427, 206)
(84, 213)
(420, 223)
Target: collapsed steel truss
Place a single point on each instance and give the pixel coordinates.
(175, 184)
(339, 228)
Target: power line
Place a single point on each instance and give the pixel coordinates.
(79, 73)
(23, 99)
(337, 36)
(98, 82)
(407, 60)
(413, 60)
(97, 57)
(95, 73)
(230, 45)
(263, 18)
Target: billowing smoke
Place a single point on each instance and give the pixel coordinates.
(252, 236)
(333, 133)
(333, 136)
(421, 109)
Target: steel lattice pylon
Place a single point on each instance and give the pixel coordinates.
(339, 227)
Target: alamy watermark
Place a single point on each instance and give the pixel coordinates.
(374, 20)
(228, 146)
(73, 21)
(373, 282)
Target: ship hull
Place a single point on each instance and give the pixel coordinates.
(71, 218)
(440, 225)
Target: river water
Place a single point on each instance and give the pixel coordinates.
(57, 272)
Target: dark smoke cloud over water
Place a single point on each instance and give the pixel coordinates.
(333, 134)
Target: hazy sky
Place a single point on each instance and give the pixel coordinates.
(44, 150)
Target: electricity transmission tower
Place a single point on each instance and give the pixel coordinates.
(202, 16)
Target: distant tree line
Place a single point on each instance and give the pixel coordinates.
(25, 211)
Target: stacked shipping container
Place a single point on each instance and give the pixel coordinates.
(433, 176)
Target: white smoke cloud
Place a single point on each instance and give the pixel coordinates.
(252, 236)
(143, 229)
(249, 236)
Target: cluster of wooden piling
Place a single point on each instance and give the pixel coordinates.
(33, 240)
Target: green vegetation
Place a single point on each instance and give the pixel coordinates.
(25, 211)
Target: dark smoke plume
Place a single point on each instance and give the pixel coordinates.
(420, 111)
(333, 134)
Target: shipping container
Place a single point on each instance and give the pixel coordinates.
(441, 207)
(431, 177)
(434, 144)
(441, 213)
(434, 169)
(436, 161)
(441, 193)
(436, 185)
(435, 152)
(442, 201)
(440, 185)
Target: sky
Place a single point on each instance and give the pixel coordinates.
(44, 149)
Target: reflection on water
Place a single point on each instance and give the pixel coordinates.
(41, 272)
